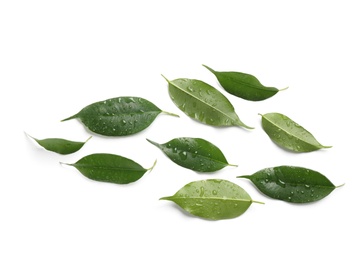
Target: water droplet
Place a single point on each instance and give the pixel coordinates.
(281, 183)
(175, 149)
(302, 192)
(202, 191)
(198, 205)
(288, 123)
(183, 155)
(307, 186)
(123, 122)
(289, 198)
(235, 205)
(214, 192)
(190, 89)
(266, 180)
(131, 99)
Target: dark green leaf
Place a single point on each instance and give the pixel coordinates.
(110, 168)
(118, 116)
(59, 145)
(194, 153)
(288, 134)
(243, 85)
(203, 102)
(212, 199)
(292, 184)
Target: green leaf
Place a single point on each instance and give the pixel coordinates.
(203, 102)
(118, 116)
(212, 199)
(243, 85)
(194, 153)
(61, 146)
(110, 168)
(292, 184)
(288, 134)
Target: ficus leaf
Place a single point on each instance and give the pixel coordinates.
(203, 102)
(194, 153)
(61, 146)
(243, 85)
(292, 184)
(110, 168)
(212, 199)
(118, 116)
(288, 134)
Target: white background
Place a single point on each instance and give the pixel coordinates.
(58, 56)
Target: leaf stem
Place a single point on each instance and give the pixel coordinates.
(151, 168)
(233, 165)
(259, 202)
(283, 89)
(88, 139)
(165, 78)
(340, 185)
(171, 114)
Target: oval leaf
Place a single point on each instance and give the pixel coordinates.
(212, 199)
(61, 146)
(110, 168)
(243, 85)
(292, 184)
(194, 153)
(203, 102)
(288, 134)
(118, 116)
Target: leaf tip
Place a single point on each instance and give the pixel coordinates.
(165, 198)
(244, 176)
(152, 142)
(69, 118)
(207, 67)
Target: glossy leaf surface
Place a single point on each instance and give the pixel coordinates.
(212, 199)
(61, 146)
(203, 102)
(288, 134)
(194, 153)
(118, 116)
(110, 168)
(243, 85)
(292, 184)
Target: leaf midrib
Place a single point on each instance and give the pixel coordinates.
(250, 85)
(206, 198)
(320, 145)
(107, 167)
(214, 108)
